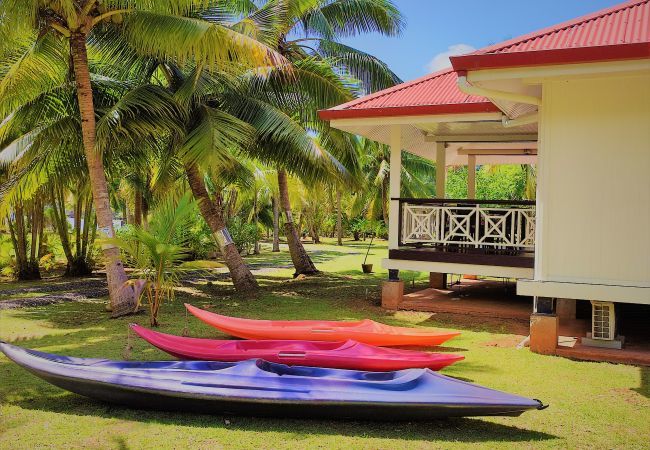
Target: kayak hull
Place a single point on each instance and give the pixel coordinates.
(338, 355)
(259, 388)
(364, 331)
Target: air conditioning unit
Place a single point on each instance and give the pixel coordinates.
(603, 321)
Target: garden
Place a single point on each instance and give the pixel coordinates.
(158, 153)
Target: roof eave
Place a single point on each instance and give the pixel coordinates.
(398, 111)
(551, 57)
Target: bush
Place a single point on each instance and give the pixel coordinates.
(244, 234)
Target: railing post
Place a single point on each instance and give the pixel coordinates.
(477, 224)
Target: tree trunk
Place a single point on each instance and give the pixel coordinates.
(256, 247)
(137, 208)
(314, 234)
(276, 225)
(60, 222)
(241, 275)
(122, 298)
(339, 218)
(301, 260)
(384, 200)
(27, 268)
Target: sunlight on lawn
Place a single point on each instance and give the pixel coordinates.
(590, 402)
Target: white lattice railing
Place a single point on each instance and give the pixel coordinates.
(468, 224)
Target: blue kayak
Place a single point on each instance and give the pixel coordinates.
(260, 388)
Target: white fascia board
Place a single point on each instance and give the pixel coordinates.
(415, 120)
(534, 74)
(584, 291)
(474, 269)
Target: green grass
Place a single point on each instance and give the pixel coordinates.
(592, 404)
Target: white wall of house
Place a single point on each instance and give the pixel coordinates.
(593, 211)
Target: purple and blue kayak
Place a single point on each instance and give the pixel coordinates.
(260, 388)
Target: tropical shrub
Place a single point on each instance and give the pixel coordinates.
(244, 234)
(157, 253)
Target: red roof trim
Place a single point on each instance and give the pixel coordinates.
(424, 110)
(548, 57)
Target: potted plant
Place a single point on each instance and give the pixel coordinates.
(367, 268)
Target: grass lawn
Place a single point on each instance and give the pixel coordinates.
(592, 405)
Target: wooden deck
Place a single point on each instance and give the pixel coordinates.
(461, 255)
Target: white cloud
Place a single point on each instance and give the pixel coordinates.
(441, 60)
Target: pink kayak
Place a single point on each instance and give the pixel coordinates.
(339, 355)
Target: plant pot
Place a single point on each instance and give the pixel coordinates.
(367, 268)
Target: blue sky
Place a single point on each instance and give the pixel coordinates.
(433, 26)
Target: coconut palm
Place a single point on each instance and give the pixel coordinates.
(327, 72)
(49, 38)
(417, 174)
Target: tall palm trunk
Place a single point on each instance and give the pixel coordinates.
(137, 207)
(301, 260)
(122, 297)
(276, 225)
(241, 275)
(339, 217)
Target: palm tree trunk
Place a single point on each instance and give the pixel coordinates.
(137, 208)
(276, 225)
(339, 218)
(241, 275)
(301, 260)
(60, 222)
(256, 247)
(122, 298)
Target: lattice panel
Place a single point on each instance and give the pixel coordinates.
(475, 225)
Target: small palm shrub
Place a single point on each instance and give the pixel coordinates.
(244, 234)
(156, 254)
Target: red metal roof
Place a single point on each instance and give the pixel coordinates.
(616, 33)
(619, 32)
(435, 93)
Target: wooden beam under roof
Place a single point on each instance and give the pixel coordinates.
(502, 151)
(532, 137)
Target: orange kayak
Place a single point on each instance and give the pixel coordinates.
(366, 331)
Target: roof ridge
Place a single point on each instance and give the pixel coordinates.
(558, 27)
(396, 88)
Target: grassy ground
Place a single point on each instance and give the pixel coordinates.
(593, 405)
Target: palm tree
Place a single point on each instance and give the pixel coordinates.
(418, 175)
(326, 72)
(57, 32)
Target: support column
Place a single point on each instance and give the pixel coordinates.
(395, 183)
(471, 176)
(544, 326)
(566, 308)
(439, 280)
(392, 291)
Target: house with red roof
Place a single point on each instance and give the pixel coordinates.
(573, 100)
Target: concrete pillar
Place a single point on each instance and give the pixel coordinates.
(471, 176)
(394, 185)
(438, 280)
(565, 308)
(441, 169)
(543, 333)
(392, 294)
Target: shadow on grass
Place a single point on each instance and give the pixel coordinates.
(644, 385)
(452, 429)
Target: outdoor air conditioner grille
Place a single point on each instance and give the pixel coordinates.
(602, 320)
